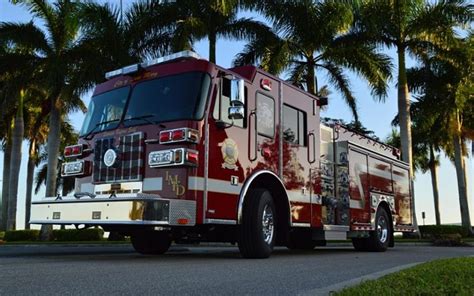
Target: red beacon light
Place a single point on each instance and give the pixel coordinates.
(68, 151)
(73, 151)
(165, 137)
(179, 135)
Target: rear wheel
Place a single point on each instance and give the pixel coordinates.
(257, 233)
(379, 240)
(151, 243)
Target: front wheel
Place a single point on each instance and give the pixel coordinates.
(151, 243)
(257, 232)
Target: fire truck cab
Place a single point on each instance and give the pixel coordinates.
(180, 149)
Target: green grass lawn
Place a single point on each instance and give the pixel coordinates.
(441, 277)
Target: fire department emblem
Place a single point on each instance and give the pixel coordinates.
(230, 153)
(109, 157)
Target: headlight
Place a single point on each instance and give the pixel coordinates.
(73, 168)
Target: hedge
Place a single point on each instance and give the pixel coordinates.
(90, 234)
(21, 235)
(434, 231)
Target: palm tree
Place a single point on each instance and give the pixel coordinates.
(306, 40)
(66, 184)
(59, 54)
(445, 81)
(36, 133)
(6, 171)
(191, 21)
(15, 83)
(462, 107)
(410, 26)
(52, 52)
(119, 40)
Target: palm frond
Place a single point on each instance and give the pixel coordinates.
(341, 82)
(26, 35)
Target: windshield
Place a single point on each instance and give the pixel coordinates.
(105, 111)
(175, 97)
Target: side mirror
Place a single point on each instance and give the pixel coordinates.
(237, 101)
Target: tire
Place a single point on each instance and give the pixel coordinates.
(151, 243)
(379, 240)
(258, 230)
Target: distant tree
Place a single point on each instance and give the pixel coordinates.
(353, 125)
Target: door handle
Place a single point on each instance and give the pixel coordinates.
(253, 118)
(311, 158)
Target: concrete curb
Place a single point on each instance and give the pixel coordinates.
(339, 286)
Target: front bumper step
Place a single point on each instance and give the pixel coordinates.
(125, 209)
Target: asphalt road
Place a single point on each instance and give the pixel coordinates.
(118, 270)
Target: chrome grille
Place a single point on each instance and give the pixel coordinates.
(129, 163)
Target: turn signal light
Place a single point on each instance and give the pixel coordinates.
(192, 157)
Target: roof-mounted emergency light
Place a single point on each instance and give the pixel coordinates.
(187, 54)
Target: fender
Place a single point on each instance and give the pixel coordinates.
(246, 187)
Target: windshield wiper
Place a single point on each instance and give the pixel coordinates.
(144, 118)
(97, 125)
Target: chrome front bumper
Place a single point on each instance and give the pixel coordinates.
(125, 209)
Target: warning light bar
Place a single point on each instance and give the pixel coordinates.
(187, 54)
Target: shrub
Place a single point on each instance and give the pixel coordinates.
(2, 234)
(21, 235)
(448, 240)
(432, 231)
(90, 234)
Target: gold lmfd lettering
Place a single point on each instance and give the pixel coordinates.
(174, 181)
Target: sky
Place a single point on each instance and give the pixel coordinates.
(374, 115)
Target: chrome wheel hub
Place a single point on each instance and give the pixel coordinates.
(267, 224)
(382, 229)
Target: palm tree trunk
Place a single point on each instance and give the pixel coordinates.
(434, 184)
(6, 180)
(404, 110)
(405, 123)
(53, 153)
(29, 181)
(310, 79)
(15, 163)
(212, 47)
(461, 178)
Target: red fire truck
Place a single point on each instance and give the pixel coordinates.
(180, 149)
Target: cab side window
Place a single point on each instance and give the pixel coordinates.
(265, 115)
(294, 126)
(221, 107)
